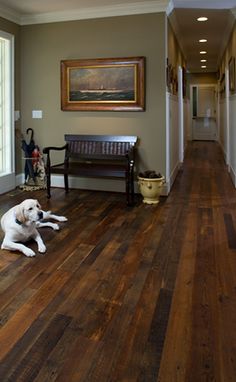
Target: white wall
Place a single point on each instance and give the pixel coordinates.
(222, 127)
(187, 122)
(174, 133)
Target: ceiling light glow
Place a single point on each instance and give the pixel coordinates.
(203, 52)
(202, 18)
(203, 66)
(203, 60)
(203, 40)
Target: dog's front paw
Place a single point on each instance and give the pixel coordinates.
(29, 253)
(46, 214)
(42, 248)
(55, 226)
(62, 219)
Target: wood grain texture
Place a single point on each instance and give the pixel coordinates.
(124, 294)
(230, 230)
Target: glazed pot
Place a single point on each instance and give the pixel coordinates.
(150, 189)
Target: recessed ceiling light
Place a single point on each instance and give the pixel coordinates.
(203, 40)
(202, 18)
(203, 60)
(203, 66)
(203, 52)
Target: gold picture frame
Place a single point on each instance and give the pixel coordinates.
(232, 74)
(115, 84)
(222, 84)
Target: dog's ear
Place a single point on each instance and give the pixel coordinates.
(19, 212)
(38, 204)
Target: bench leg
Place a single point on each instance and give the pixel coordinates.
(48, 178)
(132, 187)
(127, 187)
(66, 182)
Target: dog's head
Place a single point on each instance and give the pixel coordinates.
(28, 211)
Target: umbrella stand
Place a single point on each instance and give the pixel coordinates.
(34, 164)
(28, 149)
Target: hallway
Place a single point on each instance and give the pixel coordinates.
(127, 294)
(200, 341)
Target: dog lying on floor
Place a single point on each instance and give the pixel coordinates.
(20, 224)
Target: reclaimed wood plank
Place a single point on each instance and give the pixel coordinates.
(30, 365)
(141, 294)
(15, 328)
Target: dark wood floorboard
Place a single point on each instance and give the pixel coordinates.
(124, 294)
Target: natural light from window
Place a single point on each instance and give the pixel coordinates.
(7, 176)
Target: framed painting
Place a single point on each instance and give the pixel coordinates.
(184, 82)
(103, 84)
(168, 76)
(232, 74)
(222, 84)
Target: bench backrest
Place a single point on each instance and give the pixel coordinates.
(99, 145)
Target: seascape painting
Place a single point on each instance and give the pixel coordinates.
(109, 84)
(112, 84)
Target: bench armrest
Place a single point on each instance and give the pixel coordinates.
(47, 151)
(130, 154)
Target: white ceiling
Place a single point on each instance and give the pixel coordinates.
(182, 14)
(205, 4)
(189, 31)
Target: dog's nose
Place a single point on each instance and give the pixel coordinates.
(40, 214)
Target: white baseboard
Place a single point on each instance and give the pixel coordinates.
(113, 185)
(98, 184)
(89, 183)
(20, 178)
(223, 151)
(165, 189)
(232, 175)
(7, 182)
(174, 173)
(169, 182)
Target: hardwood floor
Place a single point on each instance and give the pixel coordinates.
(127, 294)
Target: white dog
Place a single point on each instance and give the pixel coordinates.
(20, 224)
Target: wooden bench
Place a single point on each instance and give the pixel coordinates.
(96, 156)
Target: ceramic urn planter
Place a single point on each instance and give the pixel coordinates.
(150, 185)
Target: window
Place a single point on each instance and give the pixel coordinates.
(6, 112)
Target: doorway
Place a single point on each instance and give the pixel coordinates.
(204, 106)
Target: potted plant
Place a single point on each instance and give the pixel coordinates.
(150, 184)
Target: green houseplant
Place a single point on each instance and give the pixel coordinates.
(150, 184)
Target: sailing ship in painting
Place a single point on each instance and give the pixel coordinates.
(102, 84)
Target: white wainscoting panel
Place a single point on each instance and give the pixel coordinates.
(187, 122)
(223, 127)
(232, 137)
(174, 141)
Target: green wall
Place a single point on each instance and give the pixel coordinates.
(44, 45)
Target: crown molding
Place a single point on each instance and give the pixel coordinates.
(10, 15)
(234, 12)
(170, 7)
(226, 35)
(151, 6)
(98, 12)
